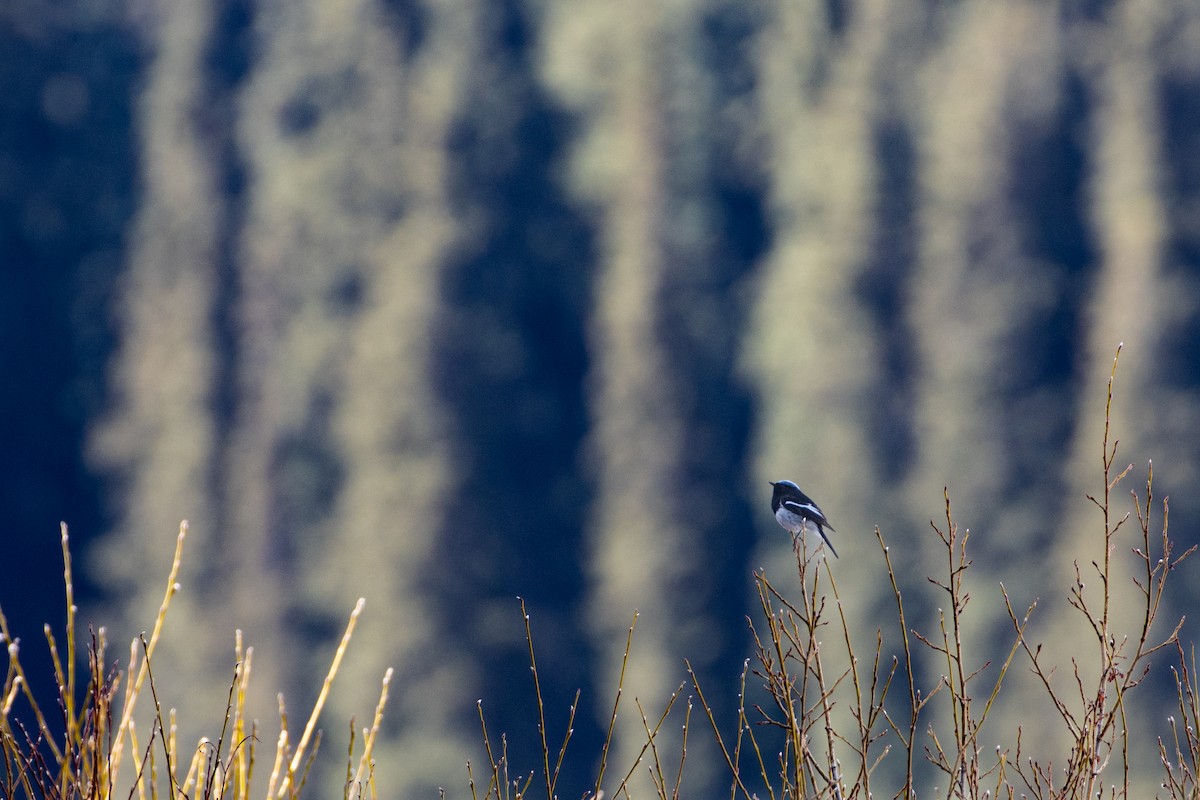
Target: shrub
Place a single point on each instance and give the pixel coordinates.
(100, 727)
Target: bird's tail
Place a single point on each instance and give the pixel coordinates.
(828, 543)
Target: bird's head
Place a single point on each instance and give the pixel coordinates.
(783, 489)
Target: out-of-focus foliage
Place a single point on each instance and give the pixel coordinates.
(441, 302)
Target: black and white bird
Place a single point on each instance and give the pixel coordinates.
(794, 510)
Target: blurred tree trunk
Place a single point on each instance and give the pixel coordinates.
(338, 460)
(162, 437)
(668, 538)
(1132, 63)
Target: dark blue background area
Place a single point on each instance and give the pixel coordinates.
(67, 193)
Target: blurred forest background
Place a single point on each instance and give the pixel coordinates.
(442, 302)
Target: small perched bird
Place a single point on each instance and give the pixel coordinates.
(794, 510)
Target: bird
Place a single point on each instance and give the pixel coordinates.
(794, 510)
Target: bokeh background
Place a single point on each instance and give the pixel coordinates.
(445, 302)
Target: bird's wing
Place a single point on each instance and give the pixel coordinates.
(808, 511)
